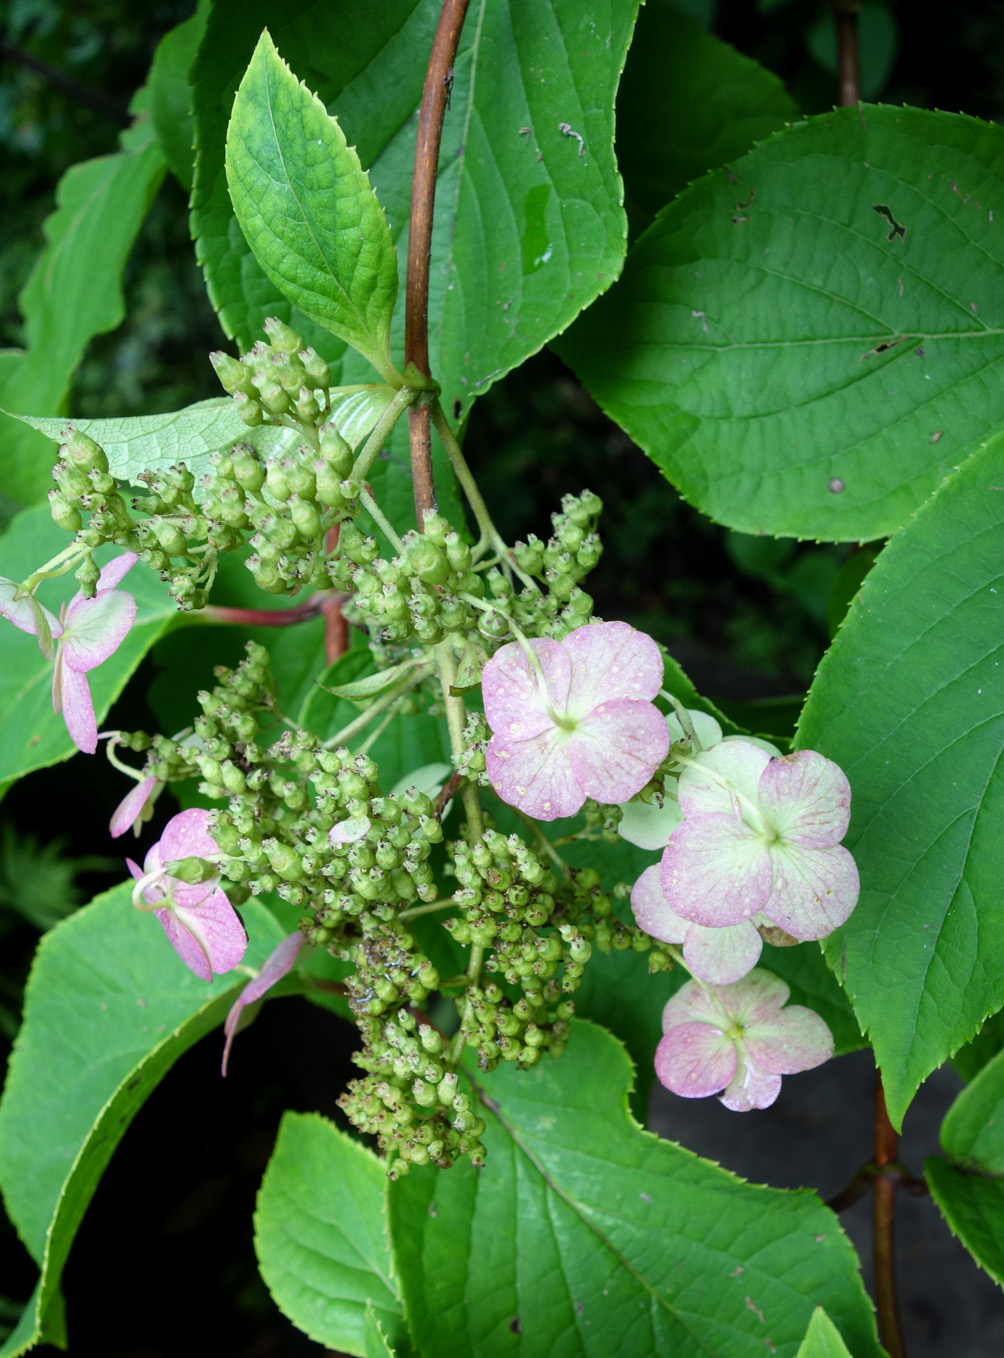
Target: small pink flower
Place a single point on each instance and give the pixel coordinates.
(578, 724)
(135, 808)
(736, 1039)
(761, 838)
(202, 926)
(92, 629)
(27, 614)
(274, 968)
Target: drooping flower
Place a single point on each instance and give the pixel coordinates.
(737, 1041)
(761, 839)
(202, 926)
(278, 963)
(27, 614)
(575, 722)
(719, 956)
(135, 808)
(92, 629)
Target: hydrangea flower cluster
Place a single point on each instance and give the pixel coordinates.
(750, 841)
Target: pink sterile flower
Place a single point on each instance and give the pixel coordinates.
(737, 1039)
(578, 722)
(135, 808)
(274, 968)
(716, 955)
(761, 838)
(92, 630)
(27, 614)
(203, 927)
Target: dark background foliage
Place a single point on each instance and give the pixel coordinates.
(748, 618)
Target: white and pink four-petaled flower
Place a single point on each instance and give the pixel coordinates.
(577, 721)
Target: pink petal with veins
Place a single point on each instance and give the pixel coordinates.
(611, 660)
(750, 1088)
(186, 836)
(695, 1060)
(794, 1039)
(814, 890)
(95, 628)
(74, 694)
(274, 968)
(209, 936)
(739, 761)
(116, 570)
(515, 707)
(130, 808)
(535, 775)
(20, 612)
(616, 749)
(807, 798)
(716, 871)
(722, 956)
(652, 911)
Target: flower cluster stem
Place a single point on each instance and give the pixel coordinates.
(883, 1222)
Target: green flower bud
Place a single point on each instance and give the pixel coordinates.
(169, 536)
(281, 336)
(273, 398)
(458, 554)
(64, 513)
(249, 409)
(307, 408)
(315, 368)
(82, 452)
(234, 376)
(305, 517)
(284, 859)
(276, 482)
(247, 469)
(334, 450)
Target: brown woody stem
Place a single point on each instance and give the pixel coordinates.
(435, 95)
(848, 56)
(883, 1221)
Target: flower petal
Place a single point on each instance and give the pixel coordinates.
(129, 812)
(814, 890)
(695, 1060)
(94, 628)
(807, 798)
(616, 749)
(515, 706)
(116, 570)
(795, 1039)
(186, 836)
(722, 956)
(739, 761)
(21, 612)
(651, 909)
(273, 969)
(716, 871)
(696, 1003)
(611, 660)
(754, 999)
(535, 775)
(77, 707)
(350, 830)
(750, 1087)
(706, 729)
(208, 937)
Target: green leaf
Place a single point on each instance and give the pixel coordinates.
(974, 1210)
(586, 1235)
(807, 341)
(31, 734)
(972, 1133)
(969, 1060)
(321, 1237)
(74, 293)
(376, 1341)
(373, 684)
(108, 1010)
(307, 210)
(822, 1339)
(716, 102)
(171, 94)
(557, 226)
(138, 443)
(909, 702)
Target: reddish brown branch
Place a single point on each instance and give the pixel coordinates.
(438, 81)
(883, 1221)
(848, 53)
(336, 629)
(275, 617)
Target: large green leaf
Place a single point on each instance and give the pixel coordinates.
(974, 1209)
(822, 1339)
(909, 702)
(806, 341)
(321, 1236)
(529, 224)
(108, 1010)
(171, 94)
(716, 102)
(586, 1235)
(307, 210)
(31, 734)
(74, 293)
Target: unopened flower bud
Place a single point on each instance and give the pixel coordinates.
(282, 336)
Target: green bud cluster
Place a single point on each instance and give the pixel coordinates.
(83, 481)
(562, 563)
